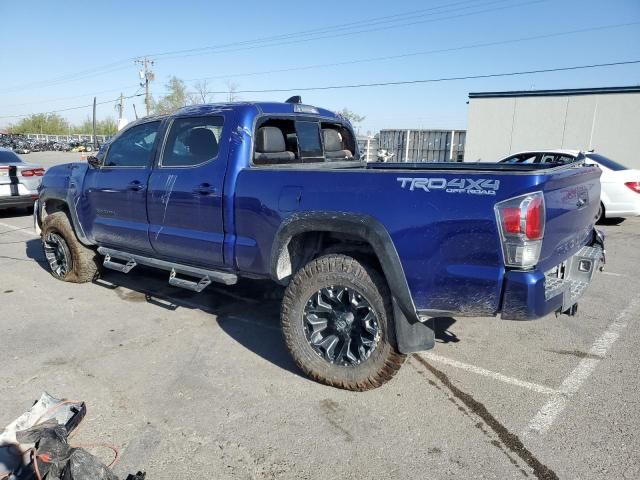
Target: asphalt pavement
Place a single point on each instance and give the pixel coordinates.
(200, 385)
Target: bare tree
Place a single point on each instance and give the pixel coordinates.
(202, 94)
(232, 88)
(353, 117)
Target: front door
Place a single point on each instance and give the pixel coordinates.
(185, 192)
(117, 191)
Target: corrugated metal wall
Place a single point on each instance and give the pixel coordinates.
(424, 145)
(609, 123)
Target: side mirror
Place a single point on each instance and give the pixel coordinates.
(93, 161)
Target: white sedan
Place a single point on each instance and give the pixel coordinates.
(620, 194)
(19, 180)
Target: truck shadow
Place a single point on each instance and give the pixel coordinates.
(33, 250)
(614, 221)
(248, 312)
(442, 332)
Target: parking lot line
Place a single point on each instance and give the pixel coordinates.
(545, 417)
(14, 228)
(488, 373)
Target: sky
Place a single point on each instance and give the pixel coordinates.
(58, 55)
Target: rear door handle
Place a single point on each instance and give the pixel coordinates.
(136, 186)
(204, 189)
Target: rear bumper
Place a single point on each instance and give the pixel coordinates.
(531, 295)
(17, 201)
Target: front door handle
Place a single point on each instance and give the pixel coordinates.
(204, 189)
(136, 186)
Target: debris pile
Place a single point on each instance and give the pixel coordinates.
(36, 445)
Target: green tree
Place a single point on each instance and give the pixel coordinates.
(177, 97)
(50, 123)
(106, 126)
(353, 117)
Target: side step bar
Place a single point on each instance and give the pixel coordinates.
(120, 267)
(129, 260)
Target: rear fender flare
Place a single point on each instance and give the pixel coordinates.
(363, 226)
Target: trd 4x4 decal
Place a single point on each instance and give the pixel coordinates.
(471, 186)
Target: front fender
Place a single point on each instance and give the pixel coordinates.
(63, 185)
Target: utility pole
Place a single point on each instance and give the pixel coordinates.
(95, 139)
(121, 120)
(120, 106)
(146, 76)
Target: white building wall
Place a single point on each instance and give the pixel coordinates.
(608, 123)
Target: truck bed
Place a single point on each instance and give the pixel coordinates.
(470, 166)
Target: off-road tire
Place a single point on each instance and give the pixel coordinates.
(84, 265)
(335, 269)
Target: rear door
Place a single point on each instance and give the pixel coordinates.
(116, 192)
(185, 192)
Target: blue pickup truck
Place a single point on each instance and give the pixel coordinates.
(370, 253)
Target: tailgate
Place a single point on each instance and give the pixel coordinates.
(572, 199)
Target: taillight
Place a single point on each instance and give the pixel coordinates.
(635, 186)
(521, 225)
(33, 172)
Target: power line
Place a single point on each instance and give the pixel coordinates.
(349, 25)
(434, 80)
(67, 79)
(71, 97)
(75, 108)
(352, 62)
(381, 84)
(292, 38)
(418, 53)
(333, 36)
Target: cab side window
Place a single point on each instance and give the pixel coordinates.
(192, 141)
(134, 147)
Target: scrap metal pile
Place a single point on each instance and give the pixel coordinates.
(22, 144)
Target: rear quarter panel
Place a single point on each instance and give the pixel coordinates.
(448, 243)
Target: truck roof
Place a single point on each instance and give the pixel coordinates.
(247, 107)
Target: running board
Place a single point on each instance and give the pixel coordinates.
(131, 260)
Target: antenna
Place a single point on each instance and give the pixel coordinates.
(294, 99)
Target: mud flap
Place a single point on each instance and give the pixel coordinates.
(413, 336)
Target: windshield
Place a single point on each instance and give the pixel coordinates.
(606, 162)
(7, 156)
